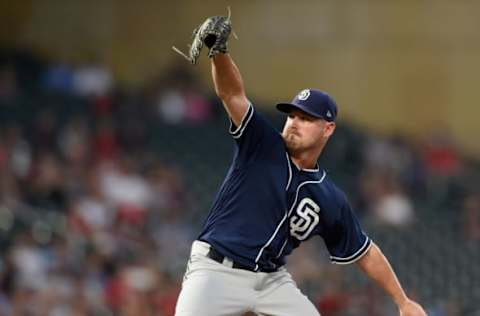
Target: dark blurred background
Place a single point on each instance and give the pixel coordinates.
(112, 147)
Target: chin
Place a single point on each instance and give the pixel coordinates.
(292, 146)
(291, 142)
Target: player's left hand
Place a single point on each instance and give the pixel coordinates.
(213, 33)
(411, 308)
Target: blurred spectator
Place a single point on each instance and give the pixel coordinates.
(441, 156)
(450, 308)
(125, 189)
(393, 207)
(105, 142)
(44, 131)
(74, 141)
(8, 83)
(91, 212)
(102, 107)
(471, 216)
(92, 79)
(335, 299)
(388, 166)
(380, 153)
(139, 281)
(444, 166)
(133, 118)
(167, 221)
(10, 198)
(385, 198)
(115, 290)
(58, 77)
(168, 190)
(20, 152)
(3, 155)
(31, 264)
(165, 294)
(47, 185)
(180, 99)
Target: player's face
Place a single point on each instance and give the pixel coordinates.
(304, 132)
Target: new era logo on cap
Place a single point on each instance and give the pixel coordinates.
(313, 102)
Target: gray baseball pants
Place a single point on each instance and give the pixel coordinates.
(211, 288)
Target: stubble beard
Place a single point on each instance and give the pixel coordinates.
(292, 142)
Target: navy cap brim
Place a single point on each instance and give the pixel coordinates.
(287, 107)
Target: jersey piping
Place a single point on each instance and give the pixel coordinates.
(357, 255)
(285, 217)
(237, 133)
(289, 172)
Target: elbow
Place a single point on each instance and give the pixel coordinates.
(366, 259)
(228, 96)
(222, 94)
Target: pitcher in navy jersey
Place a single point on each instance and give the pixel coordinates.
(274, 197)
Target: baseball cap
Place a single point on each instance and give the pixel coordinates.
(314, 102)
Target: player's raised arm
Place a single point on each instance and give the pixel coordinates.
(214, 34)
(376, 266)
(229, 86)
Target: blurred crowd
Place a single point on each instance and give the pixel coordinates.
(94, 220)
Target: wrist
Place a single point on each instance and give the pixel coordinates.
(401, 300)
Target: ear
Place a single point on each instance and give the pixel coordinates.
(329, 129)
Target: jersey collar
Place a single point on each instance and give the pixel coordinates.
(316, 169)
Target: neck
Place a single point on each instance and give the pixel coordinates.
(306, 159)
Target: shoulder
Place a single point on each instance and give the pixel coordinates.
(341, 209)
(256, 127)
(334, 193)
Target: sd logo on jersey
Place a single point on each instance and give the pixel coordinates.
(305, 220)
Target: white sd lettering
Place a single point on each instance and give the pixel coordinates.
(305, 220)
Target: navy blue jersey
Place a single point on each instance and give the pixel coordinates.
(267, 206)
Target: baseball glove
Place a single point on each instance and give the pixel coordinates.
(213, 33)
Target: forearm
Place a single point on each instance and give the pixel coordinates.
(229, 86)
(226, 77)
(377, 267)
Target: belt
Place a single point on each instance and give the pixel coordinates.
(218, 257)
(205, 249)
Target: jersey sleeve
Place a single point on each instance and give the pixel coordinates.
(254, 135)
(345, 241)
(237, 131)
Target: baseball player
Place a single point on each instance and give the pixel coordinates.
(274, 196)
